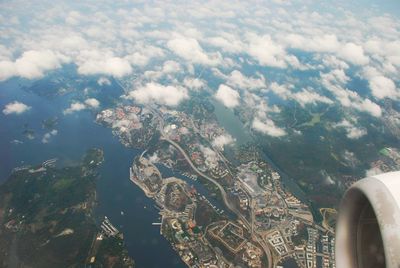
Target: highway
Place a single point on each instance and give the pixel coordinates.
(255, 236)
(225, 199)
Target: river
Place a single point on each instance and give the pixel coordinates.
(231, 123)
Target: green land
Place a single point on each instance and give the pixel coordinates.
(47, 218)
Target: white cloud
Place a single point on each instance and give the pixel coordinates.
(228, 45)
(268, 127)
(171, 66)
(269, 53)
(75, 107)
(222, 140)
(353, 53)
(194, 83)
(209, 155)
(283, 91)
(168, 69)
(307, 96)
(32, 64)
(318, 43)
(122, 125)
(47, 136)
(190, 50)
(73, 17)
(352, 132)
(227, 96)
(303, 97)
(103, 81)
(382, 87)
(328, 43)
(332, 62)
(335, 81)
(239, 80)
(114, 66)
(92, 103)
(15, 108)
(157, 93)
(106, 41)
(390, 50)
(369, 107)
(143, 54)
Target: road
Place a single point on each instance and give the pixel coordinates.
(255, 236)
(225, 199)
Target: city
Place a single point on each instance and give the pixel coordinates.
(263, 224)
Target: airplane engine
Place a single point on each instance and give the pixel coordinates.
(368, 227)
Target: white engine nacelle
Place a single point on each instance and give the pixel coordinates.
(368, 228)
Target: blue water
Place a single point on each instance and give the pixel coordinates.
(76, 134)
(200, 188)
(231, 123)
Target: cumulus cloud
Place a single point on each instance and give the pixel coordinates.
(247, 33)
(114, 66)
(317, 43)
(382, 87)
(168, 69)
(368, 106)
(194, 83)
(92, 103)
(328, 43)
(160, 94)
(389, 50)
(75, 107)
(227, 96)
(238, 80)
(303, 97)
(353, 53)
(230, 45)
(143, 54)
(171, 66)
(282, 90)
(268, 127)
(47, 136)
(352, 132)
(332, 62)
(307, 96)
(222, 140)
(103, 81)
(15, 107)
(208, 153)
(189, 49)
(335, 81)
(32, 64)
(269, 53)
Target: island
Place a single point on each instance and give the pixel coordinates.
(47, 218)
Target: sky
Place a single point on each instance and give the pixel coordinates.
(164, 47)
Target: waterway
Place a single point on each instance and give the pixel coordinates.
(77, 133)
(231, 123)
(200, 188)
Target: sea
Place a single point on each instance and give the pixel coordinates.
(118, 198)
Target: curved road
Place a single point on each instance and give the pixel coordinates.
(224, 197)
(255, 236)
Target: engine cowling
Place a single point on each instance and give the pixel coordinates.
(368, 227)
